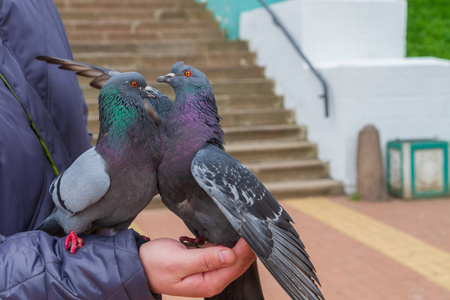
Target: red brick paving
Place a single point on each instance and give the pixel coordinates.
(348, 269)
(351, 270)
(426, 219)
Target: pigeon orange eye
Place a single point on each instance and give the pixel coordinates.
(187, 73)
(134, 84)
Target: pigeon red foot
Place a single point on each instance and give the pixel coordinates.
(76, 242)
(196, 242)
(145, 238)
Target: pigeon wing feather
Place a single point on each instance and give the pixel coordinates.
(258, 218)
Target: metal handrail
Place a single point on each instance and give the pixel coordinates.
(277, 22)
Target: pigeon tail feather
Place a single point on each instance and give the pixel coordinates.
(51, 226)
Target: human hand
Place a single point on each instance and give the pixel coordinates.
(172, 269)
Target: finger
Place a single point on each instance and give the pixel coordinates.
(244, 258)
(228, 262)
(245, 255)
(206, 259)
(215, 281)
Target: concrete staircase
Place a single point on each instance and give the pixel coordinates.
(148, 36)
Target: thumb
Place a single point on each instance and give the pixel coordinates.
(208, 259)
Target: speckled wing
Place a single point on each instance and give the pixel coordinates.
(82, 184)
(259, 219)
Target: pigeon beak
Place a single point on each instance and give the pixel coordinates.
(150, 92)
(165, 78)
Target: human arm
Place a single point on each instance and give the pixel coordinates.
(173, 269)
(35, 265)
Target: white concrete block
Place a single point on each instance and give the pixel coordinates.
(401, 107)
(358, 46)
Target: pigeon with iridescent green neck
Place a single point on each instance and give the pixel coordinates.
(219, 199)
(109, 184)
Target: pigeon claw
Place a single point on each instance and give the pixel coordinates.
(145, 238)
(76, 242)
(192, 242)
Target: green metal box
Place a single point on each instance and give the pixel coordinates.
(417, 168)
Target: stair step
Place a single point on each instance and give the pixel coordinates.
(63, 4)
(262, 152)
(215, 72)
(304, 188)
(286, 190)
(254, 134)
(220, 87)
(149, 36)
(252, 117)
(248, 101)
(212, 72)
(264, 133)
(162, 47)
(210, 58)
(229, 87)
(257, 117)
(142, 13)
(289, 170)
(135, 25)
(272, 151)
(146, 35)
(225, 102)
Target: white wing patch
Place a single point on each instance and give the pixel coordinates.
(82, 184)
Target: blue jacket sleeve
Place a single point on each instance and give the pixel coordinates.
(53, 100)
(35, 265)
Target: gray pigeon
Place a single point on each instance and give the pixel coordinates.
(219, 199)
(159, 102)
(109, 184)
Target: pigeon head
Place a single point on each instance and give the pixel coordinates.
(130, 86)
(185, 78)
(194, 101)
(124, 90)
(124, 102)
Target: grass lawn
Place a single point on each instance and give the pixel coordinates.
(428, 28)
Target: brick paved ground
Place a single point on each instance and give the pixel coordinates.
(428, 220)
(347, 268)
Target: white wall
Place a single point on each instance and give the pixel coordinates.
(403, 98)
(358, 46)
